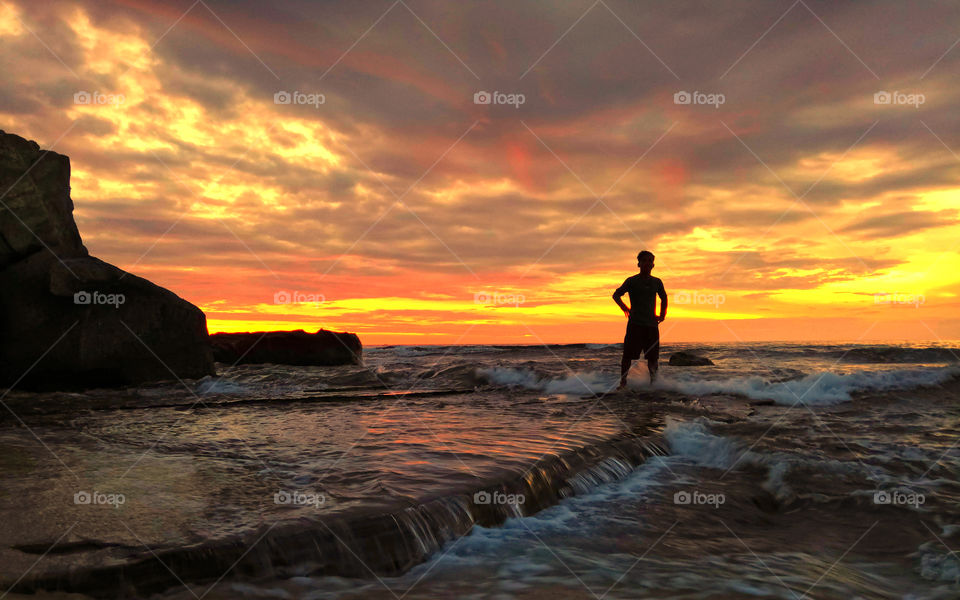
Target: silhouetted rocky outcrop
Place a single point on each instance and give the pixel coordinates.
(70, 320)
(288, 348)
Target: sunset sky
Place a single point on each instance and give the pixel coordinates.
(799, 208)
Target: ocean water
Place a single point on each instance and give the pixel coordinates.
(783, 471)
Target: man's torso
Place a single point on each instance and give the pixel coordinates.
(643, 299)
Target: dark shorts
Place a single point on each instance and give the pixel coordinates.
(641, 339)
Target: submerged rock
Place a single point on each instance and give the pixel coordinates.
(69, 320)
(322, 348)
(686, 359)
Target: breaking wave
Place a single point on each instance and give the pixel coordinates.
(820, 388)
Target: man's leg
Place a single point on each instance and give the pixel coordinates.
(630, 353)
(652, 367)
(624, 369)
(652, 351)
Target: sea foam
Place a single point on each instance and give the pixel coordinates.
(821, 388)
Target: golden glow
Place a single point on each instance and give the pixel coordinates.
(858, 164)
(939, 199)
(10, 21)
(102, 46)
(89, 184)
(308, 150)
(710, 240)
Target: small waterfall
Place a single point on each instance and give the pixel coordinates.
(361, 545)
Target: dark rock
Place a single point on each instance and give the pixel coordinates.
(322, 348)
(69, 320)
(36, 211)
(686, 359)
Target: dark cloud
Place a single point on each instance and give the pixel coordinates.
(892, 225)
(16, 103)
(95, 126)
(756, 270)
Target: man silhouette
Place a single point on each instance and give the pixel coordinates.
(643, 331)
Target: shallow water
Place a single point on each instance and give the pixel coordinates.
(797, 440)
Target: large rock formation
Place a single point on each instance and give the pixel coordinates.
(322, 348)
(67, 319)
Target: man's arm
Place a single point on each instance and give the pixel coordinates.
(663, 303)
(620, 291)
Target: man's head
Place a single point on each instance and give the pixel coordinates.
(645, 261)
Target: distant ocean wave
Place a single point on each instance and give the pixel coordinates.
(850, 354)
(427, 350)
(405, 350)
